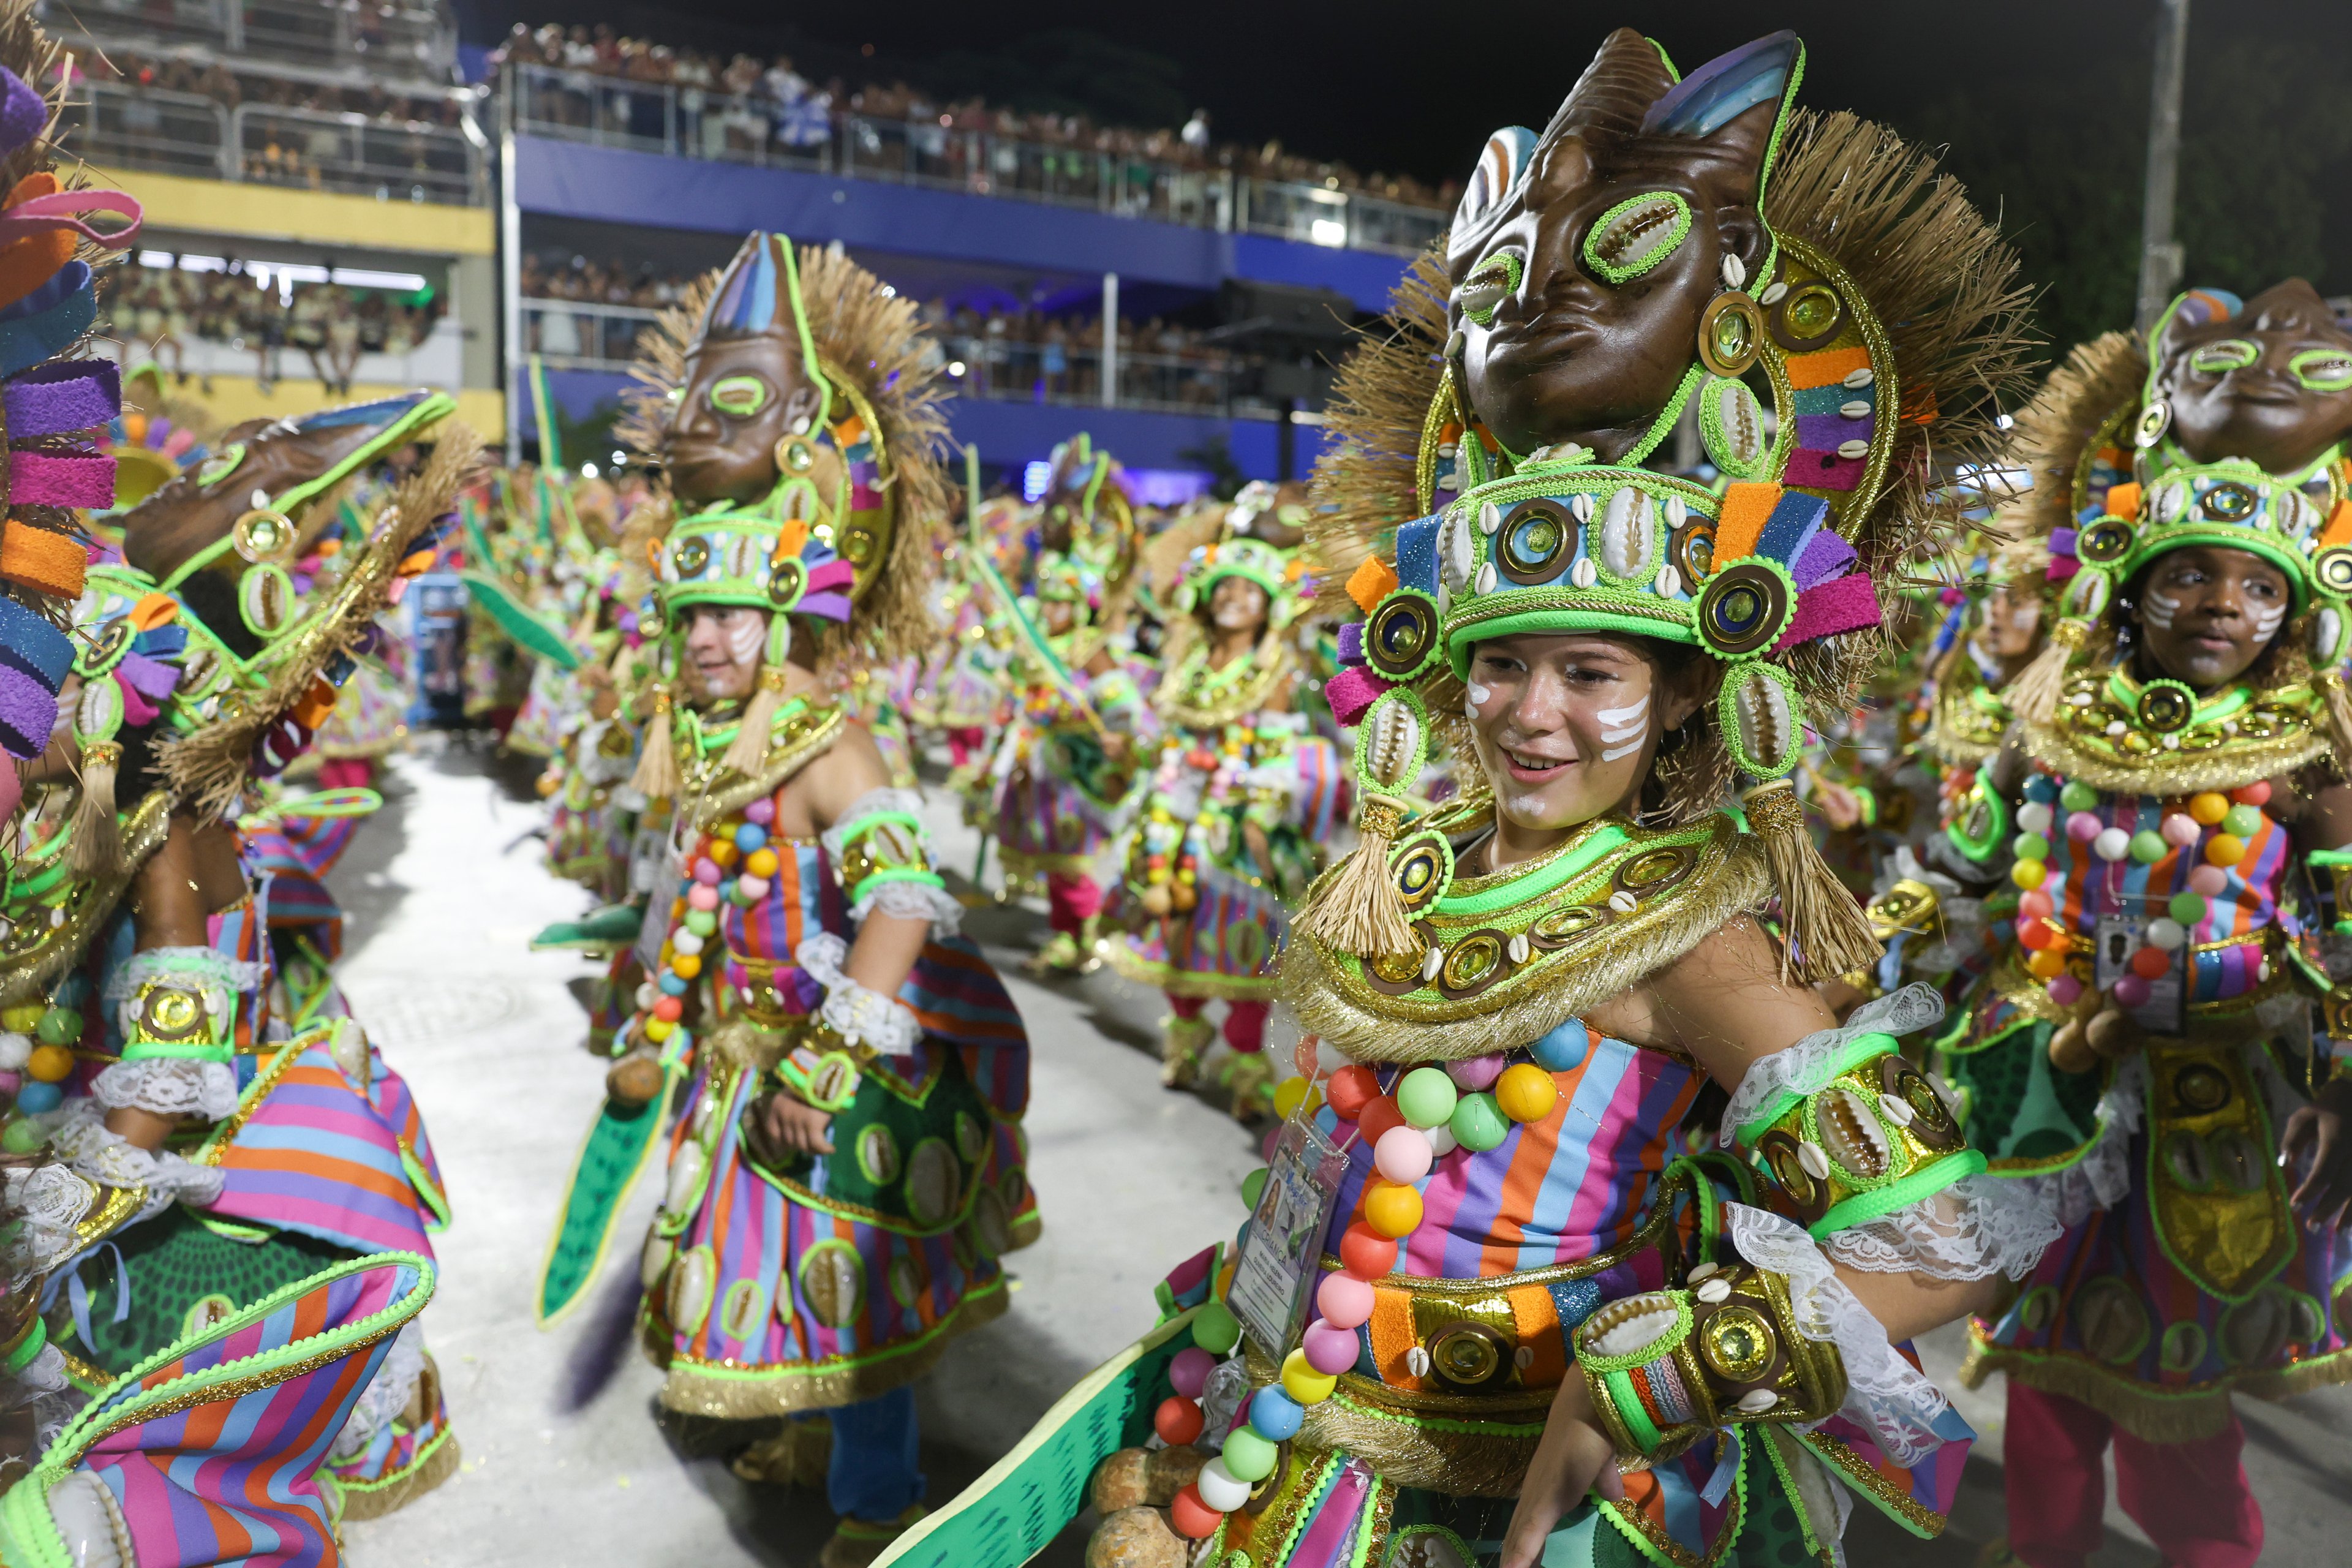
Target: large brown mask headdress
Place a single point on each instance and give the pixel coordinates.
(1666, 242)
(788, 400)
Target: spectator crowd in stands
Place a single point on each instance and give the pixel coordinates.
(155, 311)
(801, 112)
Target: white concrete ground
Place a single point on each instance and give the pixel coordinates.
(566, 1462)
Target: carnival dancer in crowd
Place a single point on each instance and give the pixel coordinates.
(1517, 1294)
(2145, 1046)
(1066, 762)
(846, 1169)
(199, 669)
(1238, 798)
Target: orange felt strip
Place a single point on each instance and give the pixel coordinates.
(2123, 500)
(1537, 1319)
(1373, 580)
(1822, 369)
(33, 260)
(1392, 1336)
(1746, 509)
(35, 558)
(791, 537)
(2340, 525)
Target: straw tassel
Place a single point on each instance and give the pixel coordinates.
(97, 835)
(1828, 928)
(1361, 911)
(657, 774)
(750, 748)
(2033, 695)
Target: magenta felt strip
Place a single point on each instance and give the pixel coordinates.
(1353, 690)
(1819, 470)
(44, 478)
(1846, 605)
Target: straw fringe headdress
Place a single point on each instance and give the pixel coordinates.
(1416, 499)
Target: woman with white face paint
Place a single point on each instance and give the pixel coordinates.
(1530, 1322)
(1239, 800)
(2142, 1048)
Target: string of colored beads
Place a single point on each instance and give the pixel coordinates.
(735, 854)
(2237, 816)
(1427, 1113)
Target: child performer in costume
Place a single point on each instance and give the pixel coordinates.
(1516, 1291)
(2180, 747)
(1239, 799)
(847, 1168)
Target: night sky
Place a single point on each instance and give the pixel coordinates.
(1416, 88)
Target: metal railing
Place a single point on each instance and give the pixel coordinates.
(389, 160)
(391, 41)
(135, 127)
(180, 133)
(580, 334)
(697, 122)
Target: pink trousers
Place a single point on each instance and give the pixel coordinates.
(2192, 1497)
(1244, 1021)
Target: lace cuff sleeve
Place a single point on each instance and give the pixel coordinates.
(1865, 1149)
(860, 1016)
(1885, 1393)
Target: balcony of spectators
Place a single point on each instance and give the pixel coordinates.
(583, 85)
(385, 40)
(188, 113)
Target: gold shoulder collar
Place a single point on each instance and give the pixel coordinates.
(798, 738)
(48, 936)
(1187, 700)
(2159, 738)
(1509, 958)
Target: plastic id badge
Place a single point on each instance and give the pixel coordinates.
(1280, 1256)
(2166, 1010)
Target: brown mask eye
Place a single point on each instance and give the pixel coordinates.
(740, 396)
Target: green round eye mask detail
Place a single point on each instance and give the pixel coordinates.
(2323, 369)
(2216, 359)
(740, 396)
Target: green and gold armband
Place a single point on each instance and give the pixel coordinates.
(1873, 1137)
(1667, 1367)
(179, 1001)
(2331, 875)
(825, 1075)
(880, 843)
(1983, 823)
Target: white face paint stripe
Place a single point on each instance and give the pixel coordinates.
(1624, 724)
(746, 637)
(1611, 753)
(2160, 610)
(1476, 699)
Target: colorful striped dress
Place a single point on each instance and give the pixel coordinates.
(1531, 1236)
(2183, 1272)
(807, 1282)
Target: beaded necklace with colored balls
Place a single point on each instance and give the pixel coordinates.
(694, 914)
(2236, 815)
(1428, 1112)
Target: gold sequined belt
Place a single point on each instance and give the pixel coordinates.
(760, 999)
(1480, 1361)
